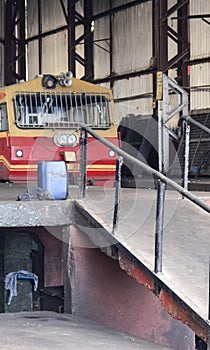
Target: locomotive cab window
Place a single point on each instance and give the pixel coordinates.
(3, 118)
(61, 110)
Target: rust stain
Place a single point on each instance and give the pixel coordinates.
(177, 312)
(135, 272)
(171, 306)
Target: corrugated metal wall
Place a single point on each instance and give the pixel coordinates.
(1, 45)
(131, 44)
(200, 48)
(132, 50)
(132, 38)
(102, 46)
(131, 47)
(32, 29)
(54, 47)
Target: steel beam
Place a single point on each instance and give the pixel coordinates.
(116, 9)
(115, 77)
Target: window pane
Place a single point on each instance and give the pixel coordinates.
(3, 118)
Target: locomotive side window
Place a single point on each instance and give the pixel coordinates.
(59, 110)
(3, 118)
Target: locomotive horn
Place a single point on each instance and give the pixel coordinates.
(66, 78)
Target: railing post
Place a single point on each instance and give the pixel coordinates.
(159, 226)
(209, 294)
(208, 340)
(83, 162)
(186, 155)
(119, 163)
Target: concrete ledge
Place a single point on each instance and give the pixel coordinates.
(35, 213)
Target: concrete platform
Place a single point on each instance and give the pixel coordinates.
(9, 192)
(51, 331)
(14, 213)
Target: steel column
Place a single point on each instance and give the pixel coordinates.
(71, 17)
(88, 41)
(111, 44)
(21, 74)
(9, 47)
(183, 45)
(15, 66)
(161, 34)
(160, 43)
(40, 32)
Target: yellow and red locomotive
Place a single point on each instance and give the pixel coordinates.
(39, 120)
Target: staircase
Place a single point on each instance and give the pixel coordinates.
(167, 264)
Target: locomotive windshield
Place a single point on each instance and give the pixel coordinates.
(61, 110)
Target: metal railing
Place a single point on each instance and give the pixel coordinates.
(189, 120)
(162, 181)
(199, 125)
(161, 188)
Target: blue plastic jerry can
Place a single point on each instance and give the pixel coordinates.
(53, 178)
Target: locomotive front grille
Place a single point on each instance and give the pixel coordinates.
(53, 110)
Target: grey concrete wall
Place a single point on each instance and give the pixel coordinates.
(101, 291)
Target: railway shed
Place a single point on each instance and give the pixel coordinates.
(134, 259)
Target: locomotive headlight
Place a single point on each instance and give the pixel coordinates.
(72, 140)
(60, 140)
(64, 140)
(19, 153)
(111, 153)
